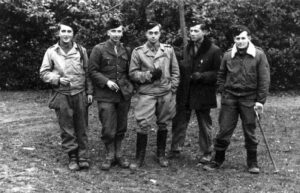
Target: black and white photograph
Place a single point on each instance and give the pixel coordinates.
(150, 96)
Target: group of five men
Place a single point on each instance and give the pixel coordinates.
(166, 92)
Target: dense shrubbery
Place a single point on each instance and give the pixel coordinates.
(27, 30)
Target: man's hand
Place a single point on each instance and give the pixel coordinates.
(90, 99)
(156, 74)
(64, 81)
(113, 86)
(196, 76)
(259, 108)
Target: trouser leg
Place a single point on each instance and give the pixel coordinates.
(122, 117)
(179, 127)
(65, 119)
(80, 123)
(108, 117)
(205, 131)
(249, 124)
(228, 119)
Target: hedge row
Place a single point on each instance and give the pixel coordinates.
(28, 29)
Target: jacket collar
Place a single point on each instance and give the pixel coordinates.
(160, 49)
(57, 47)
(250, 50)
(204, 47)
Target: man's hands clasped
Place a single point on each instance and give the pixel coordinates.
(156, 74)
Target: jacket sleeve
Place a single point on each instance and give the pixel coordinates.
(210, 77)
(46, 71)
(175, 73)
(135, 72)
(221, 75)
(95, 60)
(263, 79)
(88, 82)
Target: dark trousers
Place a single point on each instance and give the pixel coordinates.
(72, 112)
(180, 125)
(232, 107)
(113, 117)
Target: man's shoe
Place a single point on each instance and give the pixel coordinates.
(122, 162)
(205, 159)
(252, 162)
(254, 169)
(212, 166)
(83, 163)
(73, 165)
(107, 163)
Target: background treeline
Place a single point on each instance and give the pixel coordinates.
(27, 29)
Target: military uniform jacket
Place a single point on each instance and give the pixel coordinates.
(57, 64)
(200, 94)
(106, 64)
(143, 60)
(245, 75)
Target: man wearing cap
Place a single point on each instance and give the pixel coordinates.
(65, 67)
(243, 81)
(108, 69)
(155, 70)
(196, 91)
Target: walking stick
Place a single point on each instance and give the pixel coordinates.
(266, 142)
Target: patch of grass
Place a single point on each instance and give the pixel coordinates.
(26, 122)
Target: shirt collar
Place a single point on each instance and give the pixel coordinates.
(250, 50)
(112, 43)
(153, 47)
(56, 46)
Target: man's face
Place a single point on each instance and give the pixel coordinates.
(115, 34)
(65, 34)
(196, 33)
(242, 40)
(153, 34)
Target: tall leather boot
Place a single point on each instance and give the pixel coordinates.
(161, 142)
(217, 161)
(110, 155)
(120, 160)
(252, 162)
(141, 144)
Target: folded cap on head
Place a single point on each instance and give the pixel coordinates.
(194, 22)
(69, 21)
(112, 23)
(151, 24)
(235, 30)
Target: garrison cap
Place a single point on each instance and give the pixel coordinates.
(69, 21)
(237, 29)
(194, 22)
(113, 23)
(151, 24)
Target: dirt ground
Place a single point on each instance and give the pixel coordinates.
(31, 159)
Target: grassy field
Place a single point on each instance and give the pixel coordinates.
(31, 159)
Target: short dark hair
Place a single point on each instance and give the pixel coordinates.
(113, 23)
(69, 21)
(151, 24)
(235, 30)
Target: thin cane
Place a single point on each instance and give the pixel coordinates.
(266, 142)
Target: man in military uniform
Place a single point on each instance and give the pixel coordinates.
(243, 81)
(197, 90)
(155, 69)
(65, 66)
(109, 73)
